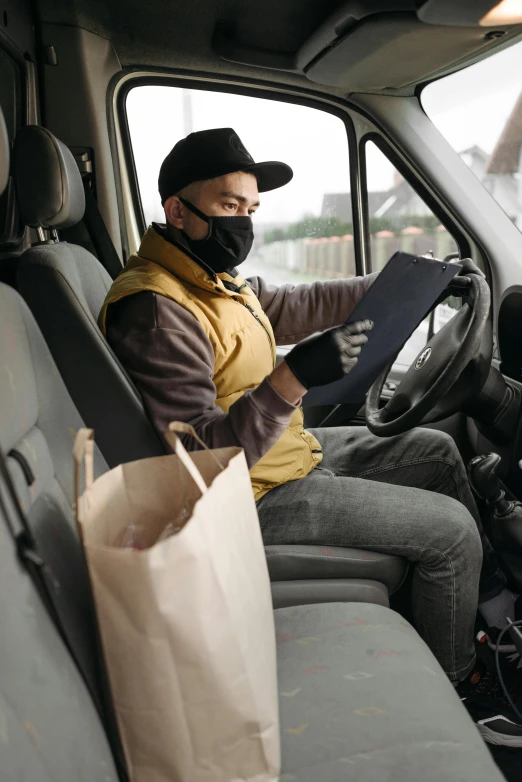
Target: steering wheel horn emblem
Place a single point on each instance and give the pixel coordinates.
(423, 358)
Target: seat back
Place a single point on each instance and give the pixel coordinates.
(65, 287)
(50, 729)
(38, 423)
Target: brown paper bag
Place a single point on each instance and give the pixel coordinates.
(186, 623)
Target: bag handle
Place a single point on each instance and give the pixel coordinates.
(179, 449)
(83, 451)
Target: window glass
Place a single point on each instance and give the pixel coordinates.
(400, 220)
(303, 231)
(479, 111)
(10, 101)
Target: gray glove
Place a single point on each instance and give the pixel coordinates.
(461, 282)
(328, 356)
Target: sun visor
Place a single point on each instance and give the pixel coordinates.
(393, 52)
(372, 45)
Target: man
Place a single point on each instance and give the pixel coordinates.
(199, 342)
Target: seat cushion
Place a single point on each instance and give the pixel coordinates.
(292, 563)
(363, 698)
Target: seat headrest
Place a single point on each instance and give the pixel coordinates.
(48, 183)
(4, 154)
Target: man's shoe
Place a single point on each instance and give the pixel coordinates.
(497, 726)
(484, 699)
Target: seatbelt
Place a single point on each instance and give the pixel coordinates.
(92, 219)
(48, 588)
(99, 234)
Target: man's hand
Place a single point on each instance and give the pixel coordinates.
(328, 356)
(461, 281)
(468, 267)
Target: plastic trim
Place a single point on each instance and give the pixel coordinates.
(333, 590)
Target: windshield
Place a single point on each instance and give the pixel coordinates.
(479, 111)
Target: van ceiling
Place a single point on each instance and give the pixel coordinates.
(363, 57)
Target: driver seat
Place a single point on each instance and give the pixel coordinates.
(65, 286)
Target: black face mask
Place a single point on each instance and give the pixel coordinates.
(227, 244)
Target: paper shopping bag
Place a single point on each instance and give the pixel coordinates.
(182, 594)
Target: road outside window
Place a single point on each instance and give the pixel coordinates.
(479, 111)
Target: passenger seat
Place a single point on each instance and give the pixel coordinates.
(361, 696)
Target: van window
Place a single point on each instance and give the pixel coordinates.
(303, 231)
(479, 111)
(398, 219)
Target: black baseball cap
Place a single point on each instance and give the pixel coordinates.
(207, 154)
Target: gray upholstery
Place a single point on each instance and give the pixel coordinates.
(50, 727)
(50, 730)
(328, 590)
(48, 183)
(4, 154)
(362, 698)
(38, 416)
(65, 287)
(287, 563)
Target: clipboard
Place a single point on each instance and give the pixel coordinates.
(397, 302)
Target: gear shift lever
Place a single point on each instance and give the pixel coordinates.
(487, 485)
(505, 524)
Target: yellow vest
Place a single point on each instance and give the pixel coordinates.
(243, 344)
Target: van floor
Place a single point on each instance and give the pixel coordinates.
(509, 762)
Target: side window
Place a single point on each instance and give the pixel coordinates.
(478, 110)
(303, 232)
(10, 101)
(400, 220)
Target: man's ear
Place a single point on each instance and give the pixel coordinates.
(174, 211)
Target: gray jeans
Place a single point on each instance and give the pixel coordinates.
(406, 495)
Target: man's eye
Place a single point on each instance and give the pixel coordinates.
(231, 206)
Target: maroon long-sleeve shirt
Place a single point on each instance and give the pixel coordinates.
(170, 358)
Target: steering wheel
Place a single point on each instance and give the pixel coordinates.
(449, 370)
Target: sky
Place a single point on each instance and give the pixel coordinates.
(470, 107)
(473, 105)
